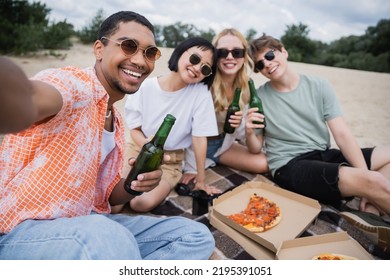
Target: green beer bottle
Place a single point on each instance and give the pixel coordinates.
(151, 154)
(232, 109)
(255, 101)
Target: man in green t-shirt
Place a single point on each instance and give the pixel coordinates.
(299, 110)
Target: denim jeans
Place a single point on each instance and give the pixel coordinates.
(212, 148)
(108, 236)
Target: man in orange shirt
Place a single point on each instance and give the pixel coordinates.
(60, 177)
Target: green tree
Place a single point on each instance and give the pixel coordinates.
(250, 34)
(209, 35)
(379, 36)
(57, 36)
(370, 51)
(25, 27)
(88, 33)
(175, 33)
(171, 35)
(296, 41)
(159, 35)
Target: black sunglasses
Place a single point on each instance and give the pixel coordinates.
(130, 48)
(236, 53)
(205, 69)
(259, 65)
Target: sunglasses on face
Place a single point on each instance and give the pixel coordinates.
(259, 65)
(236, 53)
(205, 69)
(130, 48)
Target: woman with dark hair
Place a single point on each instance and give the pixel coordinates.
(183, 93)
(233, 71)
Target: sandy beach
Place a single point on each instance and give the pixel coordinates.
(364, 96)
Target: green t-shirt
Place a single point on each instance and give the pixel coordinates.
(296, 120)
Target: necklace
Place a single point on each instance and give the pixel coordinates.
(109, 114)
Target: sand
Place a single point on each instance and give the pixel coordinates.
(364, 96)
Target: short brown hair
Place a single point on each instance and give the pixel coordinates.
(265, 41)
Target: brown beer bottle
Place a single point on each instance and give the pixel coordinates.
(255, 101)
(232, 109)
(151, 154)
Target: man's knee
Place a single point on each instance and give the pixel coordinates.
(103, 238)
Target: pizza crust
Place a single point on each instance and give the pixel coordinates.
(261, 214)
(332, 256)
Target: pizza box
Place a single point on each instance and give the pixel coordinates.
(298, 212)
(305, 248)
(253, 248)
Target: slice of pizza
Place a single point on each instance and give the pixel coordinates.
(332, 256)
(260, 214)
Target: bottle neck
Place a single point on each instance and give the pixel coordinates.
(161, 136)
(252, 89)
(236, 98)
(159, 140)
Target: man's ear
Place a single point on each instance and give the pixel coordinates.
(98, 48)
(285, 52)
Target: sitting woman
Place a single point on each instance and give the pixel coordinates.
(228, 149)
(183, 93)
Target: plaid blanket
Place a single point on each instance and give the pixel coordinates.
(327, 221)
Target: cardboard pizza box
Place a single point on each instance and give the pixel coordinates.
(298, 212)
(306, 248)
(253, 248)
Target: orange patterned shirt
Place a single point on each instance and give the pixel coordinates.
(53, 169)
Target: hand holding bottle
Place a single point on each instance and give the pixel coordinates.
(150, 157)
(255, 101)
(233, 108)
(254, 119)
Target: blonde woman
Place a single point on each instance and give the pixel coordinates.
(233, 68)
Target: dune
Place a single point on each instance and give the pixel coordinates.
(364, 96)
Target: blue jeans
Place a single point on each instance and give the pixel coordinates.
(212, 147)
(108, 236)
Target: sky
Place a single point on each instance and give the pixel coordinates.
(327, 20)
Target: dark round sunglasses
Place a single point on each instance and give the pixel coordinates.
(205, 69)
(259, 65)
(236, 53)
(130, 48)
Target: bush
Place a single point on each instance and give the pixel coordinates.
(25, 28)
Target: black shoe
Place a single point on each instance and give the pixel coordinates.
(183, 189)
(372, 225)
(200, 202)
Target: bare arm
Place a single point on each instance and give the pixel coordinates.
(138, 136)
(47, 101)
(16, 110)
(23, 101)
(200, 148)
(351, 151)
(346, 141)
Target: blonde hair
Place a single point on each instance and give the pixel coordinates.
(241, 80)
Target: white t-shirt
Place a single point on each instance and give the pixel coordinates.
(108, 143)
(192, 106)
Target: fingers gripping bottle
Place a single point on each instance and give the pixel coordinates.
(255, 101)
(232, 109)
(151, 154)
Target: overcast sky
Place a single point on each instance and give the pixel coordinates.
(327, 20)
